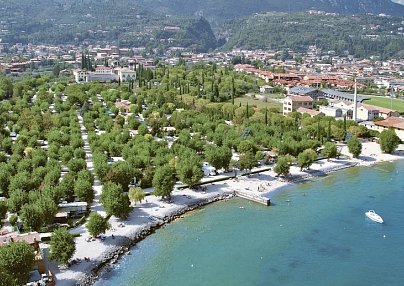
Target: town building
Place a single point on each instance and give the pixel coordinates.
(292, 103)
(396, 123)
(306, 91)
(104, 74)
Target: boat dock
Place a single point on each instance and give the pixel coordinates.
(253, 197)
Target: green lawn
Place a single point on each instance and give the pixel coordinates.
(398, 104)
(258, 103)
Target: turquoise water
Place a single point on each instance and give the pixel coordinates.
(316, 233)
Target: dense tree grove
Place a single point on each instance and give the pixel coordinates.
(180, 119)
(16, 263)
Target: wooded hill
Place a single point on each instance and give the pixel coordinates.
(361, 35)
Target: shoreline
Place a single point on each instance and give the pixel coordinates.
(153, 214)
(114, 255)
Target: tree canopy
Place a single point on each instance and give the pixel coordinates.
(388, 141)
(16, 260)
(97, 224)
(62, 246)
(115, 201)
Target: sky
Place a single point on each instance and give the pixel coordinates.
(399, 1)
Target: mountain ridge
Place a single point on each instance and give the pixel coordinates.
(214, 10)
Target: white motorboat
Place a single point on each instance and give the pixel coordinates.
(374, 216)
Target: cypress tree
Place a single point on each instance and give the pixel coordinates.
(329, 131)
(318, 131)
(344, 126)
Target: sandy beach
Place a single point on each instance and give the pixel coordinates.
(153, 212)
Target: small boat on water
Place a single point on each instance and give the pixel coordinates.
(374, 216)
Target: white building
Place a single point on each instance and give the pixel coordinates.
(104, 74)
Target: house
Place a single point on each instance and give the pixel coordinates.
(126, 74)
(331, 111)
(333, 94)
(266, 89)
(104, 74)
(396, 123)
(382, 111)
(292, 103)
(306, 91)
(367, 112)
(123, 105)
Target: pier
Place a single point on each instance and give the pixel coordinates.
(252, 197)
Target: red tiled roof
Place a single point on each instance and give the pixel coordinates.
(300, 98)
(29, 238)
(381, 109)
(392, 122)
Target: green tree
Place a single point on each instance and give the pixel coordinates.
(83, 190)
(3, 211)
(388, 141)
(62, 246)
(164, 181)
(282, 165)
(136, 195)
(115, 201)
(218, 157)
(47, 207)
(306, 158)
(16, 200)
(247, 146)
(120, 173)
(31, 216)
(13, 219)
(354, 146)
(97, 224)
(16, 260)
(329, 150)
(189, 168)
(76, 165)
(247, 161)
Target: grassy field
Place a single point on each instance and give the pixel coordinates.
(398, 104)
(258, 103)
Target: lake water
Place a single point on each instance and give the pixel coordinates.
(315, 233)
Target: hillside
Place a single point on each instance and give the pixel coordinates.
(117, 22)
(228, 9)
(360, 35)
(172, 23)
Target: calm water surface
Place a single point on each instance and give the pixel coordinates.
(316, 233)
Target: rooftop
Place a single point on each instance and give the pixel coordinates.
(298, 98)
(392, 122)
(343, 95)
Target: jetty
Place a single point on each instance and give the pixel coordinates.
(253, 197)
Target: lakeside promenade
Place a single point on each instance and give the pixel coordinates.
(154, 212)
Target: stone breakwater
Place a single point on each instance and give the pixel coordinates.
(123, 244)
